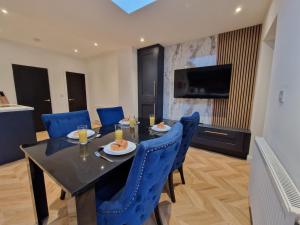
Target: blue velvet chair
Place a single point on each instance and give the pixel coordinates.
(140, 196)
(190, 124)
(110, 116)
(60, 124)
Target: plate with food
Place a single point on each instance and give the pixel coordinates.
(161, 127)
(124, 121)
(120, 147)
(74, 134)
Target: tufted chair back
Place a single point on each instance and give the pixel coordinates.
(110, 116)
(60, 124)
(148, 174)
(190, 124)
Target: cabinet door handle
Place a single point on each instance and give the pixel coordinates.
(71, 99)
(47, 100)
(214, 132)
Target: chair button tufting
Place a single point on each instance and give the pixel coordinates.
(138, 198)
(138, 208)
(150, 175)
(154, 198)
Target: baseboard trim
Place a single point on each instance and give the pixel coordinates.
(249, 157)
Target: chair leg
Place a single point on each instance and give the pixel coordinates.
(171, 188)
(62, 195)
(157, 216)
(181, 174)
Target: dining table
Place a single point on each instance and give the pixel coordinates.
(77, 170)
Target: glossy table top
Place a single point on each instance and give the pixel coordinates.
(75, 167)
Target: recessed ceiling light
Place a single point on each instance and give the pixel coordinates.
(142, 39)
(96, 44)
(238, 9)
(4, 11)
(36, 39)
(76, 50)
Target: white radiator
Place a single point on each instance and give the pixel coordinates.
(274, 199)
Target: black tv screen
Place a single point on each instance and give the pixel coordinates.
(203, 82)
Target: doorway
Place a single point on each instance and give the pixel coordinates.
(32, 89)
(76, 91)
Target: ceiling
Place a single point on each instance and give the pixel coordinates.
(65, 25)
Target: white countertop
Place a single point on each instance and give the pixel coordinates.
(14, 108)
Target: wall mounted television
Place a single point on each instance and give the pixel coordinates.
(203, 82)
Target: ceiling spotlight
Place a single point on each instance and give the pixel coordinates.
(76, 50)
(36, 39)
(142, 39)
(238, 9)
(4, 11)
(96, 44)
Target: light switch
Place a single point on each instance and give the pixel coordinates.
(281, 97)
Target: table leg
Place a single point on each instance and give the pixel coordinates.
(38, 192)
(82, 209)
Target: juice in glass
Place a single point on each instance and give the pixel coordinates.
(132, 122)
(118, 132)
(152, 120)
(82, 133)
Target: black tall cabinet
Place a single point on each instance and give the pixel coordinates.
(151, 81)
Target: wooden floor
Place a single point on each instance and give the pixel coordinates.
(216, 193)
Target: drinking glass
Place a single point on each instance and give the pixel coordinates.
(118, 132)
(132, 122)
(82, 133)
(83, 152)
(152, 120)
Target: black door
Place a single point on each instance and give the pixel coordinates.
(150, 81)
(76, 91)
(32, 89)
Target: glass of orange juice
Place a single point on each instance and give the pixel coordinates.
(152, 120)
(132, 122)
(118, 132)
(82, 133)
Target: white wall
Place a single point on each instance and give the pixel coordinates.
(113, 81)
(263, 76)
(103, 82)
(111, 78)
(57, 65)
(283, 120)
(128, 81)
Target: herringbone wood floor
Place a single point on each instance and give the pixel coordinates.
(215, 194)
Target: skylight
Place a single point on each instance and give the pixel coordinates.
(130, 6)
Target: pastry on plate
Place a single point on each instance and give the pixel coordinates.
(161, 125)
(119, 145)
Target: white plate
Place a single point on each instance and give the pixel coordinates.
(131, 147)
(155, 128)
(74, 134)
(124, 122)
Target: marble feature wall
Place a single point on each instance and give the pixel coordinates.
(190, 54)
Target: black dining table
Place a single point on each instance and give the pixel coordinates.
(76, 168)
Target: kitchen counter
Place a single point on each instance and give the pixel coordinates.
(16, 128)
(14, 108)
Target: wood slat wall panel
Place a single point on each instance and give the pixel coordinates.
(239, 48)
